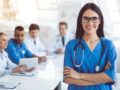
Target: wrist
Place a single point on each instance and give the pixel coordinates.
(81, 76)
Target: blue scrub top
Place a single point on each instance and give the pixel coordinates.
(17, 51)
(102, 53)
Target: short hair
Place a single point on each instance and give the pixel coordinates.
(63, 23)
(34, 27)
(20, 28)
(1, 34)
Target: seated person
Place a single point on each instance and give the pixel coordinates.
(6, 66)
(33, 42)
(60, 41)
(17, 49)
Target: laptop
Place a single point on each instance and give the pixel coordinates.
(29, 62)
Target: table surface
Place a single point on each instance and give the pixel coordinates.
(48, 77)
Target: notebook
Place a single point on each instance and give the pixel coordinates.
(29, 62)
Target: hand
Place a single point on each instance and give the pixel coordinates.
(70, 72)
(107, 66)
(19, 68)
(60, 51)
(42, 59)
(30, 69)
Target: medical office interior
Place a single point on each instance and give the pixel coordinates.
(47, 14)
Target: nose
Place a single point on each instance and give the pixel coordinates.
(90, 22)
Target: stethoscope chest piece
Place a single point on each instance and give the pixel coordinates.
(97, 68)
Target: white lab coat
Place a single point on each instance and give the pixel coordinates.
(38, 49)
(6, 64)
(57, 43)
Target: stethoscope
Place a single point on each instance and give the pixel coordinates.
(80, 45)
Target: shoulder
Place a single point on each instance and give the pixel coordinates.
(106, 41)
(11, 42)
(72, 42)
(5, 53)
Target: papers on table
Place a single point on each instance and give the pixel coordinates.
(30, 62)
(9, 85)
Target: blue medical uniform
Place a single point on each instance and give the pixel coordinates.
(17, 51)
(102, 53)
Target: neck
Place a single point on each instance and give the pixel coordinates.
(90, 37)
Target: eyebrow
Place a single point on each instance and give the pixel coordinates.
(90, 16)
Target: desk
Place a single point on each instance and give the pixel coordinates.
(48, 77)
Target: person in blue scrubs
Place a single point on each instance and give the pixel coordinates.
(17, 49)
(6, 66)
(90, 57)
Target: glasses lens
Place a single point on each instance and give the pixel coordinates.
(87, 19)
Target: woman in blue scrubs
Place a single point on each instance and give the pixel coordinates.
(89, 58)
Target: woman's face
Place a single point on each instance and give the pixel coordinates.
(3, 41)
(90, 21)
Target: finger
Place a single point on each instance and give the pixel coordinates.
(67, 76)
(107, 66)
(66, 73)
(23, 65)
(67, 67)
(31, 69)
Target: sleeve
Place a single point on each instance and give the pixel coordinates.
(4, 71)
(111, 56)
(68, 57)
(10, 65)
(11, 50)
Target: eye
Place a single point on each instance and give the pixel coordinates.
(85, 18)
(95, 18)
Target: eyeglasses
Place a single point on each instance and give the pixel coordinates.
(87, 19)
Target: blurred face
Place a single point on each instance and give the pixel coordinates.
(19, 36)
(62, 30)
(3, 41)
(90, 21)
(34, 33)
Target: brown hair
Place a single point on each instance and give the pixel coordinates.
(63, 23)
(20, 28)
(34, 27)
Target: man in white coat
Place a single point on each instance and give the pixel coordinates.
(33, 42)
(60, 41)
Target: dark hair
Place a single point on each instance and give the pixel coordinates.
(63, 23)
(33, 27)
(79, 31)
(20, 28)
